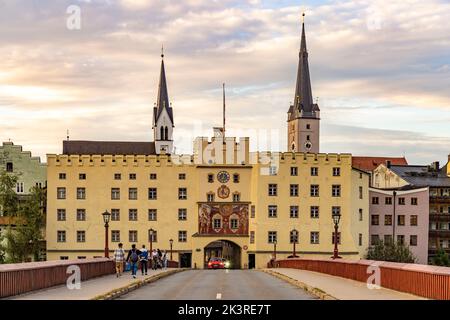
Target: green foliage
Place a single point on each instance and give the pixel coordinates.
(9, 201)
(391, 251)
(441, 259)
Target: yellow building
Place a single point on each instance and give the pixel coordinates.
(220, 201)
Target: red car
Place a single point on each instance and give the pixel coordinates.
(216, 263)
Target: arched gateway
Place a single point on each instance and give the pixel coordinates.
(225, 249)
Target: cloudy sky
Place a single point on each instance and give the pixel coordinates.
(380, 69)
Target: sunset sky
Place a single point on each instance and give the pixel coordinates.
(380, 69)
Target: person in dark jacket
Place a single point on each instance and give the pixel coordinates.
(133, 258)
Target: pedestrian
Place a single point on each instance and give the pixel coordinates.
(160, 259)
(154, 259)
(133, 258)
(165, 260)
(119, 258)
(143, 257)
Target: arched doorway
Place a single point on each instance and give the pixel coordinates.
(223, 249)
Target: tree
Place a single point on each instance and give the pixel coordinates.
(441, 259)
(9, 200)
(391, 251)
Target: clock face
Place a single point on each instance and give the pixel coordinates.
(223, 177)
(308, 145)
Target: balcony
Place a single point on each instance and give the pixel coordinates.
(439, 233)
(439, 199)
(441, 217)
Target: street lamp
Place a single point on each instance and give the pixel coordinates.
(294, 242)
(275, 250)
(106, 217)
(171, 245)
(336, 218)
(151, 232)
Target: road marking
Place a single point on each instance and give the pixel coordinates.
(219, 296)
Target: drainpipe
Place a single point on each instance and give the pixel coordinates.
(394, 217)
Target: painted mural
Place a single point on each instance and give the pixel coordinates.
(223, 219)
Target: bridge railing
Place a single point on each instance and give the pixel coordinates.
(422, 280)
(21, 278)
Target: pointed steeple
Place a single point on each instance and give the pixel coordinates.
(303, 101)
(162, 101)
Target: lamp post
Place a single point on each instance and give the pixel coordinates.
(151, 232)
(106, 216)
(336, 218)
(171, 245)
(294, 242)
(275, 250)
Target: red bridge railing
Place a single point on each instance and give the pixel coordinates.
(20, 278)
(422, 280)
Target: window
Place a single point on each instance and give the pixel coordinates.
(413, 240)
(236, 178)
(375, 200)
(81, 214)
(210, 197)
(252, 237)
(115, 235)
(315, 212)
(293, 190)
(117, 176)
(314, 171)
(115, 214)
(294, 171)
(374, 239)
(375, 220)
(62, 176)
(182, 236)
(336, 172)
(335, 210)
(273, 170)
(234, 224)
(401, 220)
(152, 235)
(81, 193)
(401, 201)
(182, 176)
(253, 212)
(388, 238)
(388, 200)
(308, 126)
(61, 193)
(293, 212)
(272, 211)
(19, 187)
(236, 197)
(61, 236)
(338, 237)
(388, 220)
(210, 178)
(81, 236)
(293, 236)
(132, 215)
(152, 214)
(132, 176)
(360, 239)
(153, 176)
(63, 258)
(273, 190)
(414, 220)
(61, 214)
(82, 176)
(132, 193)
(360, 214)
(314, 190)
(401, 239)
(336, 190)
(414, 201)
(272, 236)
(182, 194)
(81, 257)
(182, 214)
(115, 194)
(152, 194)
(314, 237)
(217, 223)
(361, 192)
(132, 236)
(9, 167)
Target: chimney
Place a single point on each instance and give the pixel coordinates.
(388, 164)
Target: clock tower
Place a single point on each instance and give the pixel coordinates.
(304, 114)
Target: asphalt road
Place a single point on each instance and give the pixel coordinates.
(219, 284)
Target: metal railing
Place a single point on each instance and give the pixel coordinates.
(422, 280)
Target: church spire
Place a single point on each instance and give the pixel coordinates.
(303, 93)
(163, 95)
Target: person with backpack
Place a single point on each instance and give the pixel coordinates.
(119, 258)
(143, 257)
(154, 259)
(133, 258)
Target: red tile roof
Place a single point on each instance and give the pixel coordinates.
(370, 163)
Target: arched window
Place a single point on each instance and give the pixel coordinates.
(167, 133)
(162, 133)
(293, 236)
